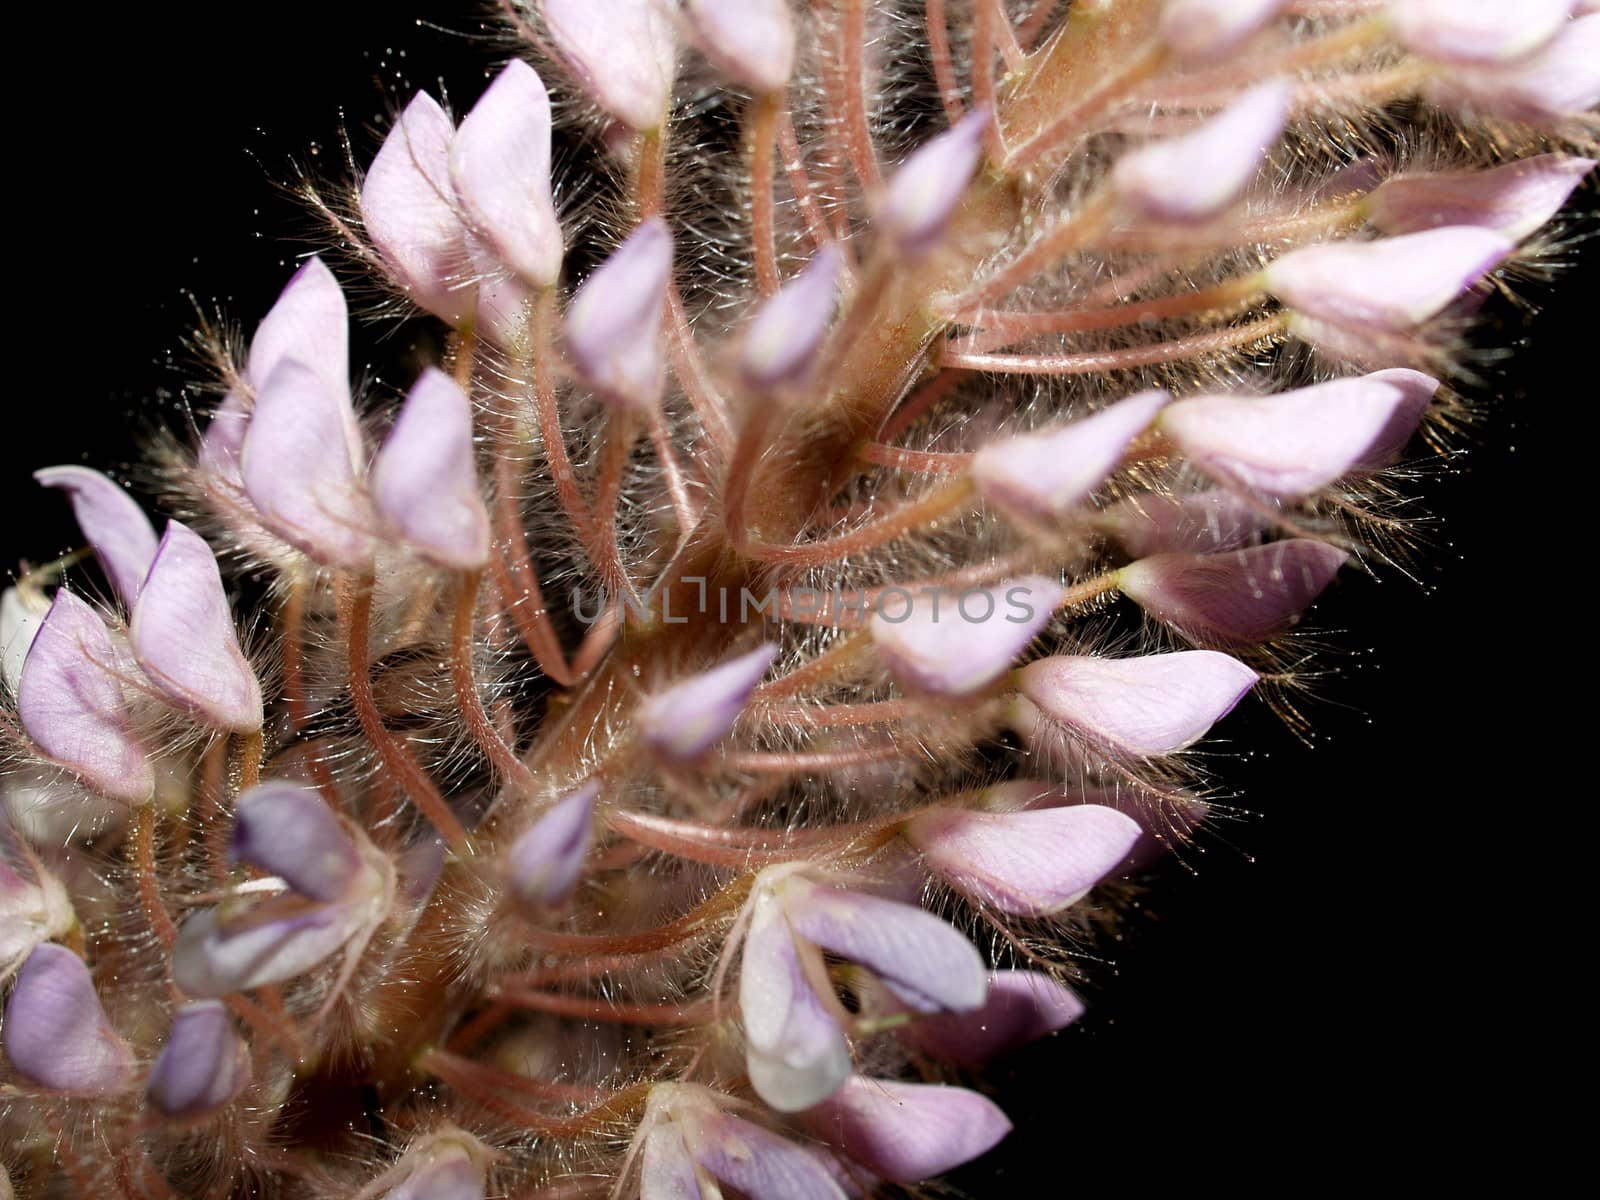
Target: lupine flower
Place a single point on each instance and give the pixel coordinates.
(203, 1065)
(1015, 369)
(73, 702)
(337, 892)
(112, 521)
(908, 1132)
(546, 860)
(57, 1035)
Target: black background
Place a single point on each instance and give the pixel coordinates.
(1339, 973)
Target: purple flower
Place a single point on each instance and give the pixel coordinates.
(113, 523)
(1045, 476)
(447, 1165)
(752, 41)
(546, 860)
(1515, 199)
(202, 1067)
(1190, 523)
(73, 702)
(1021, 1007)
(183, 637)
(955, 644)
(1472, 32)
(1551, 86)
(1233, 599)
(688, 718)
(929, 186)
(56, 1034)
(614, 322)
(621, 54)
(425, 481)
(908, 1132)
(781, 344)
(1031, 863)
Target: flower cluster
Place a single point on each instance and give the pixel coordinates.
(1084, 390)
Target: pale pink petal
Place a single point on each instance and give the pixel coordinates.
(956, 643)
(183, 637)
(545, 861)
(1151, 705)
(1021, 1008)
(928, 187)
(309, 322)
(687, 719)
(500, 168)
(1557, 83)
(751, 40)
(113, 523)
(1193, 522)
(270, 941)
(758, 1163)
(1029, 863)
(425, 479)
(781, 344)
(1515, 199)
(621, 54)
(666, 1172)
(1205, 30)
(1043, 476)
(614, 322)
(908, 1132)
(1196, 176)
(1477, 31)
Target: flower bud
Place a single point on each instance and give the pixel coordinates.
(113, 523)
(620, 53)
(72, 703)
(1203, 31)
(183, 637)
(908, 1132)
(1550, 86)
(546, 861)
(299, 467)
(1022, 1007)
(780, 347)
(500, 170)
(1391, 285)
(959, 644)
(1137, 707)
(203, 1066)
(614, 322)
(56, 1034)
(406, 206)
(1030, 863)
(752, 41)
(684, 721)
(1297, 442)
(1044, 476)
(289, 831)
(1240, 598)
(1515, 199)
(1195, 177)
(425, 481)
(1191, 523)
(1472, 32)
(928, 187)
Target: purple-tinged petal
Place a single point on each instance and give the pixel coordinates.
(1167, 820)
(1196, 176)
(56, 1034)
(289, 831)
(621, 54)
(546, 860)
(923, 959)
(266, 941)
(1556, 83)
(424, 479)
(1151, 705)
(203, 1065)
(1295, 443)
(500, 168)
(1515, 199)
(1044, 476)
(1240, 598)
(908, 1132)
(1472, 32)
(1193, 523)
(300, 470)
(1030, 863)
(614, 322)
(797, 1054)
(928, 187)
(183, 637)
(407, 208)
(113, 523)
(752, 41)
(780, 347)
(71, 702)
(309, 322)
(223, 440)
(1022, 1007)
(687, 719)
(22, 610)
(1417, 392)
(1202, 31)
(958, 643)
(754, 1161)
(1391, 285)
(666, 1172)
(445, 1170)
